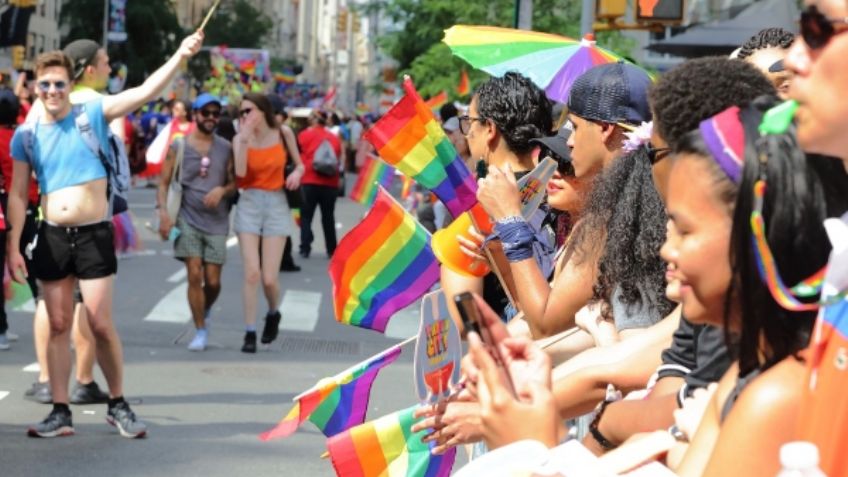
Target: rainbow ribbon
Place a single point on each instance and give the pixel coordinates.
(785, 297)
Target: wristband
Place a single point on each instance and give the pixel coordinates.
(517, 238)
(593, 427)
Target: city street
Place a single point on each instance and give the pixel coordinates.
(204, 410)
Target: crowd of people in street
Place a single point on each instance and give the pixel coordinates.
(653, 316)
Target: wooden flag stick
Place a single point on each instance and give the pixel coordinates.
(209, 15)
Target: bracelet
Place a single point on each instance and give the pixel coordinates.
(512, 219)
(593, 427)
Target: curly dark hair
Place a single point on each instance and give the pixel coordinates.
(766, 38)
(802, 191)
(624, 223)
(700, 88)
(519, 109)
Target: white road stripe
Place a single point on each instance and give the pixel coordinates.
(3, 394)
(172, 308)
(178, 276)
(32, 368)
(300, 310)
(405, 322)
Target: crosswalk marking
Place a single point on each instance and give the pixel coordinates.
(172, 308)
(300, 310)
(32, 368)
(405, 322)
(178, 276)
(3, 394)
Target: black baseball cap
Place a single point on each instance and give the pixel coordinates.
(557, 144)
(611, 93)
(82, 53)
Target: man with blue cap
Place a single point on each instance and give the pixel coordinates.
(204, 167)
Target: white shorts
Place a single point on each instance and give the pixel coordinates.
(263, 212)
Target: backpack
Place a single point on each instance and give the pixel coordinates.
(325, 161)
(114, 159)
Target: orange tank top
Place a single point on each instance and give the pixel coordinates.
(264, 168)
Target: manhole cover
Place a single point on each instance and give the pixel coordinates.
(317, 345)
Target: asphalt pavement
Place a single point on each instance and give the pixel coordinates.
(204, 410)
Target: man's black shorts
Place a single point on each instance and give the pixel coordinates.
(85, 252)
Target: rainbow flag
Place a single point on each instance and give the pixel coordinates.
(336, 403)
(409, 138)
(285, 77)
(381, 266)
(387, 448)
(437, 101)
(463, 88)
(374, 172)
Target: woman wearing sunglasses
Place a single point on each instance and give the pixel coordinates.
(819, 61)
(263, 218)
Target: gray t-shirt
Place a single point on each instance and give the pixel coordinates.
(215, 221)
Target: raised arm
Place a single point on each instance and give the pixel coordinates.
(121, 104)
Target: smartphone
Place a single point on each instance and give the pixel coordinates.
(472, 320)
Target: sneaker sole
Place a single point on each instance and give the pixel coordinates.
(123, 432)
(61, 432)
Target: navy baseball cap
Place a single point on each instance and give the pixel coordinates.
(611, 93)
(205, 99)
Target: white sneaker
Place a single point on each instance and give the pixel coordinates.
(199, 341)
(4, 342)
(11, 336)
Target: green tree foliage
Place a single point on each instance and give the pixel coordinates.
(238, 24)
(153, 33)
(417, 43)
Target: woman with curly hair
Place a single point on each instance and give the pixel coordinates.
(504, 115)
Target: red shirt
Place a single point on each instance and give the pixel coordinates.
(309, 140)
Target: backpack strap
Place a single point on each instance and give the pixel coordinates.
(90, 139)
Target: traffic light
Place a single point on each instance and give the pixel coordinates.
(341, 24)
(666, 11)
(18, 54)
(609, 9)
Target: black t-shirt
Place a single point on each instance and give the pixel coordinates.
(698, 354)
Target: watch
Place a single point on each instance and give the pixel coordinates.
(593, 427)
(678, 434)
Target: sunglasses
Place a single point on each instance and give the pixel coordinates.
(59, 86)
(817, 29)
(204, 166)
(244, 112)
(656, 154)
(465, 123)
(564, 166)
(210, 113)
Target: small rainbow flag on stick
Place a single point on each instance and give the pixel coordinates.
(438, 100)
(381, 266)
(374, 172)
(338, 403)
(463, 88)
(409, 138)
(386, 447)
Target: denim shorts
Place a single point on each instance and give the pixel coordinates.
(263, 212)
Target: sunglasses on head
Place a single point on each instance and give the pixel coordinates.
(817, 29)
(210, 113)
(244, 112)
(59, 86)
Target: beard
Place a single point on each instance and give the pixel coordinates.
(207, 127)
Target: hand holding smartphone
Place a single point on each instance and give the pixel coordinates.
(473, 320)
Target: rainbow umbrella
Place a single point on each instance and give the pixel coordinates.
(553, 62)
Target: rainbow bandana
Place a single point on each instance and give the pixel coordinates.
(724, 137)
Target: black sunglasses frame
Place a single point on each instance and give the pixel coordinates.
(465, 123)
(817, 30)
(564, 166)
(210, 114)
(653, 152)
